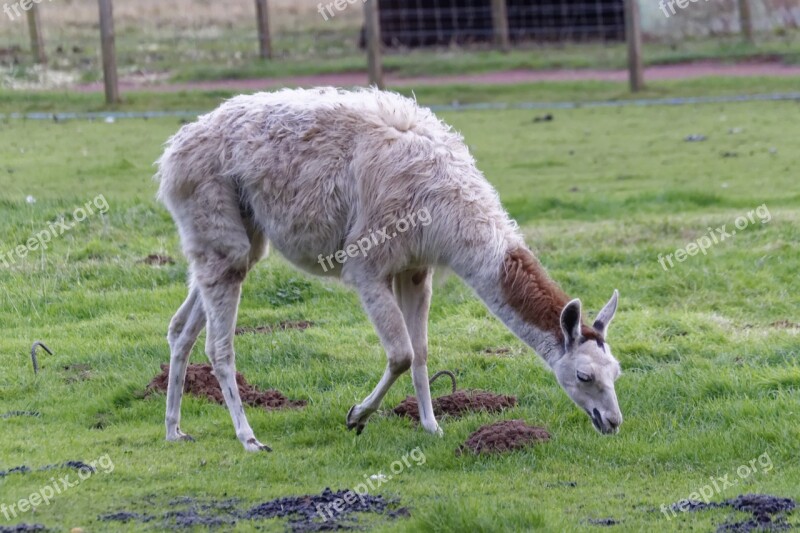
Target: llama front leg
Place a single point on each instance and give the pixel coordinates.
(413, 291)
(221, 301)
(184, 328)
(385, 314)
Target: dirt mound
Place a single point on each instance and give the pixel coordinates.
(503, 436)
(458, 403)
(283, 326)
(201, 382)
(768, 512)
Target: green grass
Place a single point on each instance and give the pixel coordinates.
(68, 101)
(710, 382)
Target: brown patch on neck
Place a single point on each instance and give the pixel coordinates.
(531, 293)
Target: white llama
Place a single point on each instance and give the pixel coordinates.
(314, 171)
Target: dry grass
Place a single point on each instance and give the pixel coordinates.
(196, 15)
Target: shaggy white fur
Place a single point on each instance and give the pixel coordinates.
(312, 172)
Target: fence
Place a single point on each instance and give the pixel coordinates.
(200, 39)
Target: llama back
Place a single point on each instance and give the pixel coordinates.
(322, 167)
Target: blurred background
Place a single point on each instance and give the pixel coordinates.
(56, 43)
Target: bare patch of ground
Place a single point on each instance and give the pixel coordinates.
(22, 528)
(785, 324)
(768, 513)
(504, 436)
(14, 414)
(158, 260)
(500, 352)
(311, 512)
(200, 381)
(283, 326)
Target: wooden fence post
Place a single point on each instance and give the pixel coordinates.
(372, 26)
(746, 21)
(264, 39)
(35, 30)
(633, 34)
(500, 25)
(109, 51)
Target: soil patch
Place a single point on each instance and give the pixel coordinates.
(785, 324)
(504, 436)
(283, 326)
(498, 351)
(158, 260)
(768, 513)
(326, 511)
(603, 521)
(200, 381)
(458, 403)
(75, 465)
(13, 414)
(22, 528)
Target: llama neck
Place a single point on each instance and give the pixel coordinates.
(516, 289)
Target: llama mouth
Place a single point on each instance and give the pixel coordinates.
(597, 421)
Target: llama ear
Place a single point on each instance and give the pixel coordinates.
(606, 315)
(571, 323)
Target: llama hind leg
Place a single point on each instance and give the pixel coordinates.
(413, 292)
(386, 316)
(221, 293)
(184, 328)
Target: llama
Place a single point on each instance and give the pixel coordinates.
(312, 172)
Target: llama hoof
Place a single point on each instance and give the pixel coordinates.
(356, 423)
(180, 436)
(252, 445)
(435, 430)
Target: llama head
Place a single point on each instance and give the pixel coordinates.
(587, 371)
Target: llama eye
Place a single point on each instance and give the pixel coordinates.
(585, 378)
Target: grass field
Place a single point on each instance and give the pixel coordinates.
(709, 348)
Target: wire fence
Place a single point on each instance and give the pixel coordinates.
(203, 39)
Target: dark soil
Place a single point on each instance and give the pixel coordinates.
(497, 351)
(16, 470)
(603, 521)
(503, 436)
(316, 512)
(12, 414)
(283, 326)
(459, 403)
(785, 324)
(768, 513)
(201, 382)
(313, 512)
(158, 260)
(22, 528)
(75, 465)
